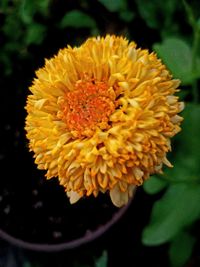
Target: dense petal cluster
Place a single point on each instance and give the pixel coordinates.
(101, 116)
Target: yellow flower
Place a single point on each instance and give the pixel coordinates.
(100, 117)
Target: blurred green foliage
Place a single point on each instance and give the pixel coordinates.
(176, 212)
(158, 14)
(177, 55)
(77, 19)
(20, 29)
(31, 30)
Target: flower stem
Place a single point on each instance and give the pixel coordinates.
(195, 24)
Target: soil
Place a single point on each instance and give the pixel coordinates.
(37, 210)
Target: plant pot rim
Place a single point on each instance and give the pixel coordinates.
(88, 237)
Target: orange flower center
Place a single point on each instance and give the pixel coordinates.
(87, 107)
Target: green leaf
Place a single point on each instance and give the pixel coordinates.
(12, 25)
(180, 249)
(114, 5)
(186, 148)
(126, 15)
(4, 4)
(178, 208)
(43, 6)
(198, 24)
(77, 19)
(154, 185)
(27, 10)
(177, 55)
(157, 13)
(102, 261)
(35, 34)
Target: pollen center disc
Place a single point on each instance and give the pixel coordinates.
(87, 107)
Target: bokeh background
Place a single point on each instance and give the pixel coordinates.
(162, 229)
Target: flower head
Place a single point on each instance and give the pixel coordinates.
(100, 117)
